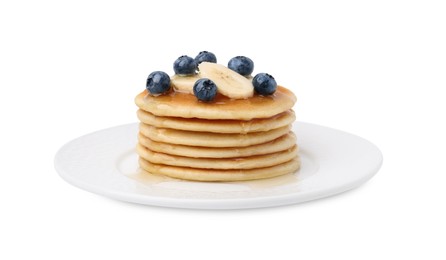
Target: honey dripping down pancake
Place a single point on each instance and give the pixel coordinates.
(210, 122)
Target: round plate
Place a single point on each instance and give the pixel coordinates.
(105, 162)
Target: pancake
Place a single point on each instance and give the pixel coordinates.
(251, 162)
(206, 139)
(282, 143)
(218, 126)
(187, 173)
(178, 104)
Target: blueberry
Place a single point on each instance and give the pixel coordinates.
(264, 84)
(205, 89)
(205, 56)
(185, 65)
(242, 65)
(158, 82)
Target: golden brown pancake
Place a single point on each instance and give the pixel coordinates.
(251, 162)
(207, 139)
(282, 143)
(218, 126)
(178, 104)
(187, 173)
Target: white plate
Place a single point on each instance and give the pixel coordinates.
(105, 163)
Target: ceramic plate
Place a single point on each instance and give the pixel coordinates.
(105, 162)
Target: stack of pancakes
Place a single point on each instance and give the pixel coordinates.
(224, 140)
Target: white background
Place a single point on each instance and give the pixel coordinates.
(373, 68)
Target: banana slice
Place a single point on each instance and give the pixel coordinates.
(229, 82)
(184, 83)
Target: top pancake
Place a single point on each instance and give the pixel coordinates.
(178, 104)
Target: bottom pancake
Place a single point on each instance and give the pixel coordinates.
(194, 174)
